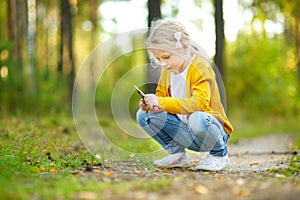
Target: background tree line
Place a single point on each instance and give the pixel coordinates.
(43, 43)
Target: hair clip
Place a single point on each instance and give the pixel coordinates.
(177, 36)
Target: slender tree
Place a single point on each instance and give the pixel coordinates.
(93, 16)
(219, 23)
(219, 46)
(66, 61)
(154, 12)
(17, 25)
(31, 45)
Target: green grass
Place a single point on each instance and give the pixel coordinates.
(39, 156)
(153, 184)
(248, 125)
(293, 169)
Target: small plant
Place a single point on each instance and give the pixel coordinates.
(292, 170)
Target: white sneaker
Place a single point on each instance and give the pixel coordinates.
(214, 163)
(174, 160)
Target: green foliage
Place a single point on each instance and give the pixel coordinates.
(50, 92)
(249, 125)
(261, 75)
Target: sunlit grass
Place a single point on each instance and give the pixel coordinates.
(40, 156)
(248, 125)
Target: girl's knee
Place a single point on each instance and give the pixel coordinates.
(141, 117)
(199, 122)
(144, 118)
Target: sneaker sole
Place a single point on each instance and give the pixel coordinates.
(174, 166)
(209, 169)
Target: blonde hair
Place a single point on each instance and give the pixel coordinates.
(162, 33)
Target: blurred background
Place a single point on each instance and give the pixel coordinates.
(255, 44)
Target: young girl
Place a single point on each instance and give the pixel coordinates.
(186, 110)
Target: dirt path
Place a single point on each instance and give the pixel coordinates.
(246, 178)
(258, 154)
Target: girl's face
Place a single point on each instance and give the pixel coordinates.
(170, 61)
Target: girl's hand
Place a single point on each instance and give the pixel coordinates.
(144, 106)
(151, 100)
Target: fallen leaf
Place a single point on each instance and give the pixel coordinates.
(220, 177)
(157, 170)
(164, 169)
(135, 170)
(87, 195)
(200, 189)
(45, 123)
(241, 192)
(283, 156)
(52, 170)
(255, 163)
(295, 159)
(42, 169)
(108, 173)
(45, 151)
(97, 171)
(132, 155)
(77, 175)
(1, 144)
(240, 181)
(280, 176)
(6, 121)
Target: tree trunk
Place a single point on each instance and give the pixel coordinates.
(31, 45)
(12, 27)
(153, 74)
(17, 29)
(219, 23)
(66, 62)
(218, 59)
(94, 19)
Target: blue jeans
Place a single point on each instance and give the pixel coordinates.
(202, 133)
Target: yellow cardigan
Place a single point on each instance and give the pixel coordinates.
(202, 93)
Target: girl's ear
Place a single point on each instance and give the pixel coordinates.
(185, 47)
